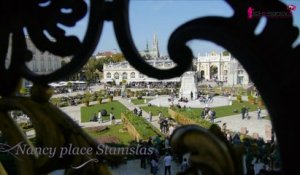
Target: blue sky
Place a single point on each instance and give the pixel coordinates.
(163, 17)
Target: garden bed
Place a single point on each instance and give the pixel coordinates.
(188, 119)
(155, 110)
(113, 134)
(136, 101)
(138, 127)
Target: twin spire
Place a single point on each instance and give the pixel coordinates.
(154, 52)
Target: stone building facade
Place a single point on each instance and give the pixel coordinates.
(221, 67)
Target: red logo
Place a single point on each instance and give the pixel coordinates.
(291, 8)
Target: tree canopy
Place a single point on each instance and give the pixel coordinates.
(93, 68)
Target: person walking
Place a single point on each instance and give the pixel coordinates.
(150, 116)
(202, 115)
(211, 115)
(140, 112)
(171, 130)
(100, 117)
(113, 120)
(164, 125)
(230, 100)
(154, 166)
(243, 111)
(94, 119)
(110, 116)
(184, 165)
(247, 114)
(143, 156)
(167, 161)
(258, 113)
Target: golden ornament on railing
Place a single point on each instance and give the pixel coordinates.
(209, 151)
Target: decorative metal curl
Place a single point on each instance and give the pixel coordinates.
(209, 151)
(33, 17)
(61, 132)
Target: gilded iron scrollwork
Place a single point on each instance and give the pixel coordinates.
(43, 16)
(209, 150)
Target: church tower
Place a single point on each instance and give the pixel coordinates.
(147, 47)
(155, 49)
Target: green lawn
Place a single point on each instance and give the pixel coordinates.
(155, 110)
(113, 131)
(221, 111)
(140, 101)
(87, 113)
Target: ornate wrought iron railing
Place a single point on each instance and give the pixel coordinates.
(261, 55)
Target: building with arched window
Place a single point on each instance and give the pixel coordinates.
(221, 67)
(116, 75)
(131, 75)
(217, 67)
(124, 76)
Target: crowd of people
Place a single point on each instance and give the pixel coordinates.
(163, 151)
(208, 114)
(245, 113)
(152, 85)
(260, 157)
(208, 98)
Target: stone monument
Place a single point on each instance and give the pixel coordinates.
(188, 87)
(123, 91)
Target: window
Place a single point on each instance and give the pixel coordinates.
(124, 75)
(225, 72)
(108, 75)
(141, 75)
(132, 75)
(159, 64)
(116, 75)
(240, 80)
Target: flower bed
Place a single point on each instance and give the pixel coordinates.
(137, 126)
(187, 120)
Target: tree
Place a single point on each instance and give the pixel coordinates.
(93, 68)
(88, 75)
(118, 57)
(89, 70)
